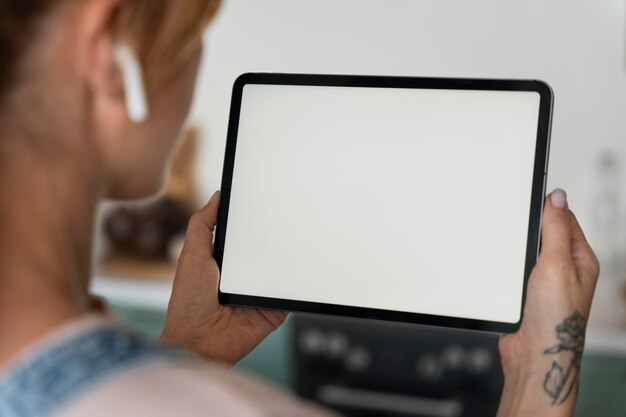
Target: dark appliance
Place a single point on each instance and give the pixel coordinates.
(366, 368)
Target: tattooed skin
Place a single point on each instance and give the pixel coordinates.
(562, 378)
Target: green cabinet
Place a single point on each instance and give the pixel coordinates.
(602, 386)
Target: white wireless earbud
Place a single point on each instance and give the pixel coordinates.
(134, 87)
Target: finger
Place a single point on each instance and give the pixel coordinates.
(199, 236)
(582, 254)
(555, 228)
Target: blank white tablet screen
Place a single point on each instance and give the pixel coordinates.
(413, 200)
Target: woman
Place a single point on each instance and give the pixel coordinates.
(72, 132)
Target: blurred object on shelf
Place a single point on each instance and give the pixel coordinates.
(609, 308)
(144, 239)
(181, 183)
(606, 211)
(145, 232)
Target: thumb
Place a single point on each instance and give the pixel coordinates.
(556, 232)
(199, 236)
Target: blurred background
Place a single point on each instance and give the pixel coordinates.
(367, 368)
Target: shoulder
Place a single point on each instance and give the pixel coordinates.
(95, 368)
(189, 389)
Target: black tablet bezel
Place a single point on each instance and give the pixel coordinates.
(536, 203)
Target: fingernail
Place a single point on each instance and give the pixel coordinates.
(558, 198)
(215, 195)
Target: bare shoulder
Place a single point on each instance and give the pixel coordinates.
(190, 389)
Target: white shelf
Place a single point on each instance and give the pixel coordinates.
(136, 293)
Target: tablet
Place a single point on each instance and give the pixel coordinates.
(406, 199)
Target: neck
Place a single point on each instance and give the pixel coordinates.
(46, 224)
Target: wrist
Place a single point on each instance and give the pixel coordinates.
(528, 391)
(523, 402)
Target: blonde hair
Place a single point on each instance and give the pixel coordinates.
(164, 33)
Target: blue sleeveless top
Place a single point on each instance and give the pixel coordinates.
(54, 376)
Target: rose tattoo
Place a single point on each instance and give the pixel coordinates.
(562, 380)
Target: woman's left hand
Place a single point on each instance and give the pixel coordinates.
(195, 319)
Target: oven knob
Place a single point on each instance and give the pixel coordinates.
(429, 367)
(312, 342)
(454, 357)
(357, 360)
(479, 361)
(336, 345)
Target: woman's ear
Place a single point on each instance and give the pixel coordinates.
(105, 71)
(112, 69)
(95, 40)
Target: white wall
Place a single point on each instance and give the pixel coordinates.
(575, 45)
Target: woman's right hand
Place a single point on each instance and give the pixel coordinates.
(541, 361)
